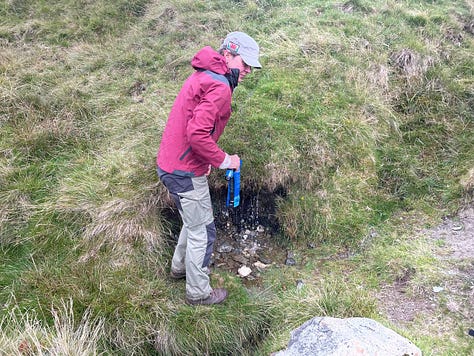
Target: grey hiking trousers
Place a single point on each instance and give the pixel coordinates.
(198, 233)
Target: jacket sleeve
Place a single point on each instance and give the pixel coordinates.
(203, 123)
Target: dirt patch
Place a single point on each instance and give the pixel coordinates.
(401, 308)
(458, 235)
(410, 62)
(454, 296)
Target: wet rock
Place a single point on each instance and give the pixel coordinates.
(241, 259)
(290, 259)
(265, 260)
(252, 250)
(250, 233)
(238, 251)
(225, 248)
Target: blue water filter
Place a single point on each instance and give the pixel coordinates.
(233, 187)
(237, 186)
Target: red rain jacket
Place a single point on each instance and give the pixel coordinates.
(197, 119)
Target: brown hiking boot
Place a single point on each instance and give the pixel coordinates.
(217, 296)
(177, 275)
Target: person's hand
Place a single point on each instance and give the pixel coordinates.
(234, 162)
(209, 170)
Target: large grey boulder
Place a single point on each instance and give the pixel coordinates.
(325, 336)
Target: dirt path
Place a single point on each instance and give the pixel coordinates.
(448, 306)
(458, 234)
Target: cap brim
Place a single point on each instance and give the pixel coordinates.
(253, 62)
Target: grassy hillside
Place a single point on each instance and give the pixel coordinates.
(362, 114)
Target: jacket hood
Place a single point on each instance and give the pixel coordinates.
(208, 59)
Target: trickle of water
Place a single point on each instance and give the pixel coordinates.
(245, 234)
(257, 208)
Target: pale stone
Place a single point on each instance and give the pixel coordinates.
(244, 271)
(326, 336)
(260, 265)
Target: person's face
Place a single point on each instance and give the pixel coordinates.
(238, 63)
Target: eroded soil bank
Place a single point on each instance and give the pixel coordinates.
(248, 236)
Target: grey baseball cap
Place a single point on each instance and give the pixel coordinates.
(242, 44)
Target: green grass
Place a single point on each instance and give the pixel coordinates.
(362, 114)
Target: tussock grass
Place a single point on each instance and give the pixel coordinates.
(362, 113)
(23, 333)
(119, 224)
(217, 327)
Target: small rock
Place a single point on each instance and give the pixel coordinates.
(241, 259)
(290, 260)
(265, 260)
(260, 229)
(260, 265)
(438, 289)
(225, 248)
(299, 284)
(244, 271)
(253, 250)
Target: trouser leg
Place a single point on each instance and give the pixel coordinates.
(198, 220)
(197, 279)
(179, 256)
